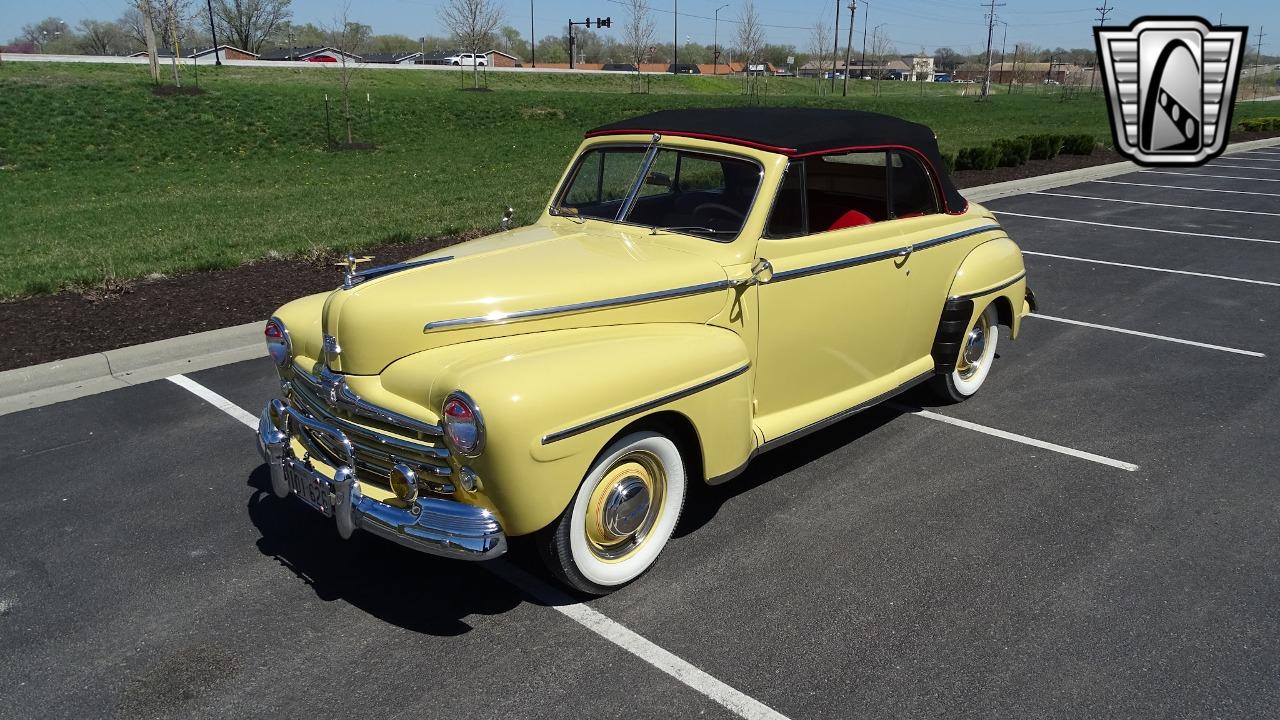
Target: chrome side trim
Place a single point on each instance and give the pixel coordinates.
(843, 414)
(500, 317)
(355, 278)
(636, 409)
(333, 387)
(883, 255)
(988, 291)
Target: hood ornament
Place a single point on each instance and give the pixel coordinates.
(350, 265)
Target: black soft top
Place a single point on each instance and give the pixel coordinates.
(796, 132)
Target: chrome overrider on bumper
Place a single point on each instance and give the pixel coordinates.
(431, 525)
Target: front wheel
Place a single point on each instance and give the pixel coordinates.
(977, 353)
(622, 516)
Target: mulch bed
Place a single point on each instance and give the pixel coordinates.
(70, 323)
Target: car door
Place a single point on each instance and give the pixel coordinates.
(829, 317)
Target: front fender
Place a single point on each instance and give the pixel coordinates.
(551, 401)
(993, 270)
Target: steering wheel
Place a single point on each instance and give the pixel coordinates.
(719, 207)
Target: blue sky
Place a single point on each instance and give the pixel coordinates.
(910, 23)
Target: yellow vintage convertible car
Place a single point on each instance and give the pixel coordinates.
(704, 285)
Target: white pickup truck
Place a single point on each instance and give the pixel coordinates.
(465, 59)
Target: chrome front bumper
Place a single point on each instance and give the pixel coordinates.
(431, 525)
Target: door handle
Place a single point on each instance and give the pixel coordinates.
(906, 251)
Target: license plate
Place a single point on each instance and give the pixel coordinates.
(311, 487)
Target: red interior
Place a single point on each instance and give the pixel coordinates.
(850, 218)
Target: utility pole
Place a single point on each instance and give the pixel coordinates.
(835, 51)
(715, 43)
(533, 41)
(1003, 39)
(213, 31)
(991, 27)
(866, 21)
(675, 37)
(848, 46)
(1257, 68)
(1102, 20)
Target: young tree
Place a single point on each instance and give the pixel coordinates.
(820, 49)
(750, 42)
(472, 23)
(881, 50)
(348, 38)
(637, 32)
(146, 17)
(248, 24)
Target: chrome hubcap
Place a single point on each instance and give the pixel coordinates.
(624, 506)
(975, 345)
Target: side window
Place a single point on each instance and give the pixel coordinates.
(913, 190)
(787, 219)
(601, 181)
(846, 190)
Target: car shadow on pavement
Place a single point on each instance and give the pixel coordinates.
(704, 501)
(417, 592)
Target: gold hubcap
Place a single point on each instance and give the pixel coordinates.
(625, 506)
(975, 344)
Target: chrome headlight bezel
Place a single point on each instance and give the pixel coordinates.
(451, 425)
(280, 349)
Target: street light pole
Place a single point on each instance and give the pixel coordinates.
(835, 49)
(213, 31)
(866, 19)
(848, 46)
(533, 40)
(675, 37)
(715, 69)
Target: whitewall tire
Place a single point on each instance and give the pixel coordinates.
(977, 354)
(624, 512)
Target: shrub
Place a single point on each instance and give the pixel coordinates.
(1012, 153)
(976, 158)
(1078, 144)
(1259, 124)
(1044, 147)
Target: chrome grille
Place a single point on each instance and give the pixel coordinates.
(376, 450)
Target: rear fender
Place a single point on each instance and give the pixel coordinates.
(993, 272)
(552, 401)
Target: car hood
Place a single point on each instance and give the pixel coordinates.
(531, 279)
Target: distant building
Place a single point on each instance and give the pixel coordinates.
(309, 54)
(403, 57)
(1026, 73)
(224, 52)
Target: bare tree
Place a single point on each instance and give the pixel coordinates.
(147, 19)
(248, 23)
(750, 38)
(473, 23)
(102, 38)
(347, 38)
(881, 50)
(637, 33)
(819, 48)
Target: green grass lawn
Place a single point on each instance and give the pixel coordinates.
(104, 181)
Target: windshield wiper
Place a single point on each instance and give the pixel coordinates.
(687, 228)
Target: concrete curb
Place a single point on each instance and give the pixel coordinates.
(985, 193)
(61, 380)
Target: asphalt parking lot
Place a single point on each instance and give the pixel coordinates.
(894, 565)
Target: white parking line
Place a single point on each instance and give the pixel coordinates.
(740, 704)
(1153, 336)
(214, 399)
(1184, 187)
(1256, 159)
(1155, 269)
(1154, 204)
(1242, 167)
(1135, 227)
(1004, 434)
(1220, 177)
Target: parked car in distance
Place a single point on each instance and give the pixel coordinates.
(702, 286)
(942, 77)
(468, 59)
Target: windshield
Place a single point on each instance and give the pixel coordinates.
(683, 190)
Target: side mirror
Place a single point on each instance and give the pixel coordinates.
(506, 218)
(761, 272)
(659, 179)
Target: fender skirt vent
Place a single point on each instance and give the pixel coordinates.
(951, 328)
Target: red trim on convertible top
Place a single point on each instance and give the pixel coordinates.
(793, 153)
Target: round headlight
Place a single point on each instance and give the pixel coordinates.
(278, 345)
(463, 424)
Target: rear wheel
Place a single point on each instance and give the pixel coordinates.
(622, 516)
(977, 353)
